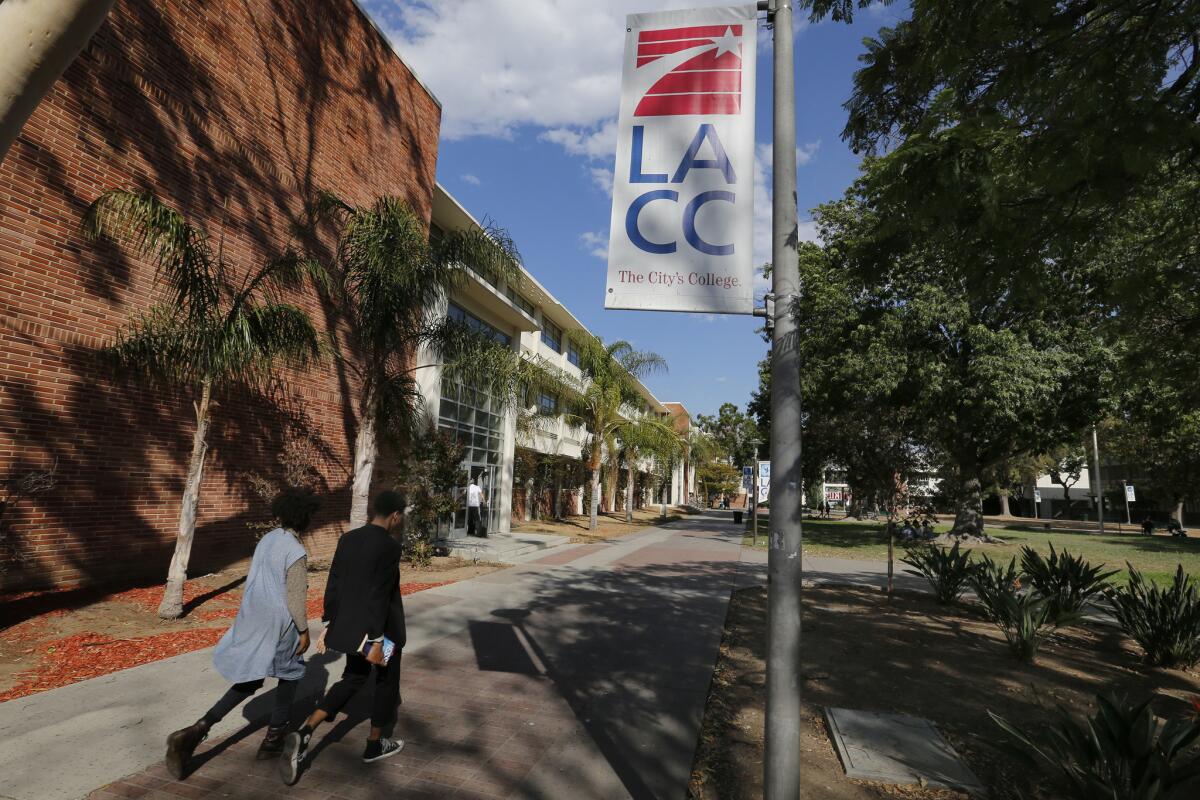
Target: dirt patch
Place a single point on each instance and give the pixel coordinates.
(913, 657)
(609, 526)
(53, 638)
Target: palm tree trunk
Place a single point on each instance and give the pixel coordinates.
(366, 449)
(528, 499)
(629, 492)
(171, 606)
(38, 41)
(593, 523)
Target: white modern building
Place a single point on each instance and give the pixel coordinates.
(531, 320)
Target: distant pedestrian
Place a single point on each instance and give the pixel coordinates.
(364, 618)
(475, 498)
(828, 510)
(1148, 526)
(269, 636)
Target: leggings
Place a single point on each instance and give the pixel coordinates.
(239, 693)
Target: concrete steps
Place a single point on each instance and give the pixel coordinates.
(504, 548)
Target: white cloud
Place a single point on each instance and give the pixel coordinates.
(471, 179)
(603, 178)
(763, 159)
(722, 379)
(598, 142)
(497, 65)
(595, 243)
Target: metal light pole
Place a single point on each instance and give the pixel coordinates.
(781, 764)
(755, 442)
(1099, 486)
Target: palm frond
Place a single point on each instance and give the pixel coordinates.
(183, 258)
(157, 347)
(401, 405)
(489, 251)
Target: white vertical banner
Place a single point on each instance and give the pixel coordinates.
(681, 237)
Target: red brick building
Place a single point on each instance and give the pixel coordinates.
(234, 113)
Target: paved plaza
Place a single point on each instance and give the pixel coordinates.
(581, 674)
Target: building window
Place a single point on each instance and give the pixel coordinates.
(547, 403)
(572, 352)
(518, 300)
(476, 420)
(552, 335)
(464, 317)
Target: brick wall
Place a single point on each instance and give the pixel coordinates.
(234, 112)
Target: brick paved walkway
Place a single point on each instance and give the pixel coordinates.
(478, 727)
(582, 677)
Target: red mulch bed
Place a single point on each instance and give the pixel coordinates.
(87, 655)
(76, 658)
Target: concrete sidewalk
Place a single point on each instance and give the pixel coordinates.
(582, 676)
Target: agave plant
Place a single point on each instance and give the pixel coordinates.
(1165, 622)
(992, 583)
(1067, 581)
(946, 570)
(1124, 752)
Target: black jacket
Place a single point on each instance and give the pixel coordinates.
(362, 596)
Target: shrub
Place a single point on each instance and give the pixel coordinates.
(1024, 617)
(946, 570)
(1165, 622)
(1067, 581)
(992, 583)
(1124, 752)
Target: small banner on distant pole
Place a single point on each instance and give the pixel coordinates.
(682, 231)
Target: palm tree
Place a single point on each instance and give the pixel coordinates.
(213, 332)
(38, 41)
(598, 401)
(394, 281)
(642, 437)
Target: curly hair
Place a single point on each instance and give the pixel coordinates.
(294, 508)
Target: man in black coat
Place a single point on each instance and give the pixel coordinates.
(362, 606)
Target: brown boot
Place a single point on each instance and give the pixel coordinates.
(180, 746)
(272, 743)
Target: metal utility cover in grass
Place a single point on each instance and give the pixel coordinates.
(894, 748)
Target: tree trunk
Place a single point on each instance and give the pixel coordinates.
(38, 41)
(629, 493)
(595, 504)
(968, 521)
(366, 449)
(1178, 513)
(558, 497)
(171, 606)
(528, 499)
(1004, 512)
(610, 485)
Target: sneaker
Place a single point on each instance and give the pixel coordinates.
(381, 748)
(295, 748)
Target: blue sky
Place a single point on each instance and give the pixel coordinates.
(529, 91)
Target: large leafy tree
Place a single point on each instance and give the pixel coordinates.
(736, 432)
(646, 437)
(215, 330)
(605, 399)
(394, 283)
(977, 370)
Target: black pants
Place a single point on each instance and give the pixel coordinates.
(473, 526)
(354, 677)
(239, 693)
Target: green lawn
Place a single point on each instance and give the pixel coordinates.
(1155, 556)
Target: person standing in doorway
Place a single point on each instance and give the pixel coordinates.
(475, 499)
(363, 615)
(269, 636)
